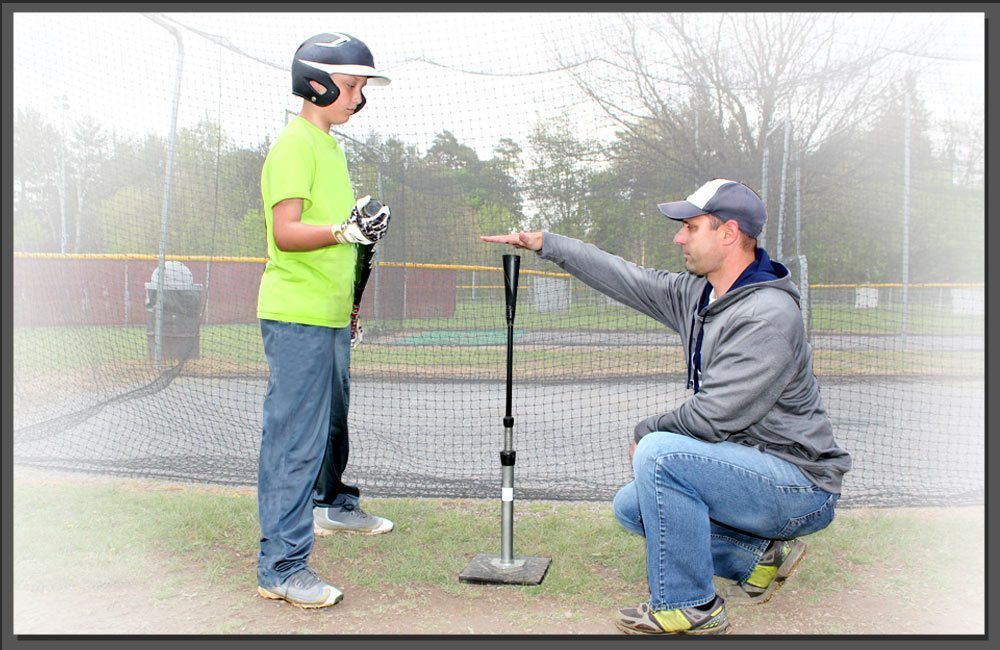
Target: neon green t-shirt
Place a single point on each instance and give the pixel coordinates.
(310, 287)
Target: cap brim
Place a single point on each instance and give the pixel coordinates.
(680, 210)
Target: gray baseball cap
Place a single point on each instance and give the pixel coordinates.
(726, 200)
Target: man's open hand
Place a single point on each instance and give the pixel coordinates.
(530, 240)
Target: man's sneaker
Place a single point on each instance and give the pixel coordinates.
(349, 518)
(304, 589)
(780, 559)
(690, 620)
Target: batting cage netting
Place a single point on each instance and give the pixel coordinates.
(139, 236)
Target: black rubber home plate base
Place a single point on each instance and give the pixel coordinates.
(488, 570)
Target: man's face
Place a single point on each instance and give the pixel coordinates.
(701, 244)
(343, 107)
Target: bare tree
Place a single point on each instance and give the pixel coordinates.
(965, 146)
(705, 90)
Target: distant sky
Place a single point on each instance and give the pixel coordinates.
(119, 68)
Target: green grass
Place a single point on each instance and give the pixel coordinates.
(472, 343)
(908, 551)
(93, 537)
(921, 320)
(110, 532)
(487, 316)
(103, 532)
(896, 363)
(828, 315)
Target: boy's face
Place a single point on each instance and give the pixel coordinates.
(343, 107)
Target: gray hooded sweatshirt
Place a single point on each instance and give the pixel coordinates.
(757, 387)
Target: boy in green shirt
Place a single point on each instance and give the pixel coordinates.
(314, 227)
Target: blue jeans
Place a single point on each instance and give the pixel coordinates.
(304, 444)
(712, 508)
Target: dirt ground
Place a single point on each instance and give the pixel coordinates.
(499, 611)
(878, 606)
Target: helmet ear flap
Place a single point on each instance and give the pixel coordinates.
(328, 96)
(361, 104)
(303, 74)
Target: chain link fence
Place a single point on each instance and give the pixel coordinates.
(139, 236)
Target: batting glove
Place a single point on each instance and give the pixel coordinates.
(372, 218)
(350, 233)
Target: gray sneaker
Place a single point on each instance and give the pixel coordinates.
(349, 518)
(304, 589)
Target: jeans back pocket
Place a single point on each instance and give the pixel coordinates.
(813, 521)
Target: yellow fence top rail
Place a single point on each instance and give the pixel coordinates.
(124, 257)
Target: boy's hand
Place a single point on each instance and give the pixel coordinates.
(372, 218)
(349, 233)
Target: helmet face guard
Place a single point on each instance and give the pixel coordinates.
(327, 54)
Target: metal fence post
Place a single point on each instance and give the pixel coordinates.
(781, 192)
(764, 159)
(165, 213)
(906, 211)
(798, 203)
(763, 191)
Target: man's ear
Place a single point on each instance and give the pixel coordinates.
(318, 87)
(731, 230)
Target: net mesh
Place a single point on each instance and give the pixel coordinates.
(139, 238)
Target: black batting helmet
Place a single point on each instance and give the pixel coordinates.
(325, 54)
